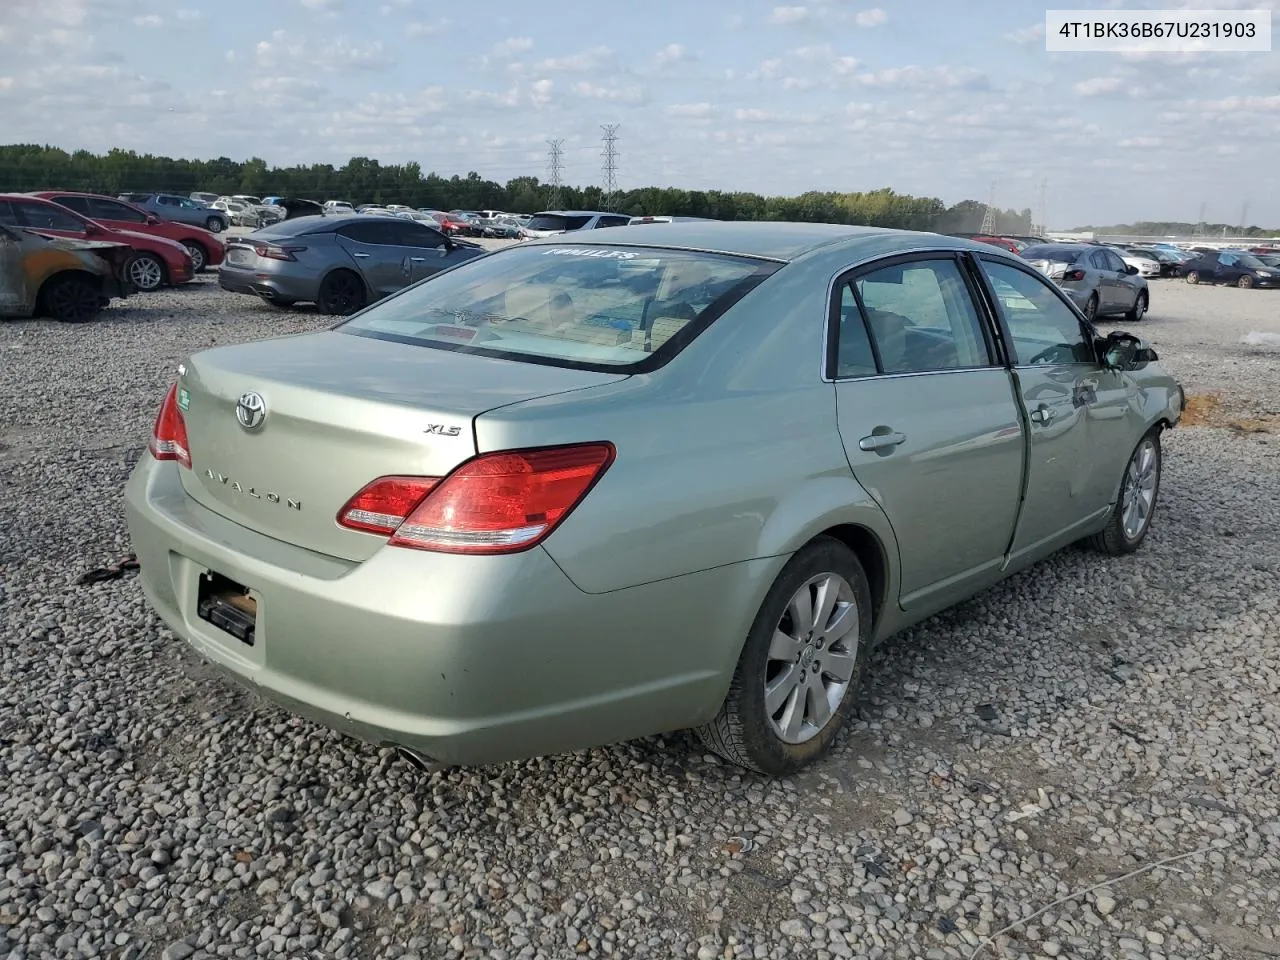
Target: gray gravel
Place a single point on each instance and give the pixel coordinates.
(1063, 729)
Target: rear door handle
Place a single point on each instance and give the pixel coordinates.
(418, 259)
(362, 256)
(1042, 414)
(881, 441)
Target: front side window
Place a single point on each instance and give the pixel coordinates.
(922, 318)
(1043, 328)
(592, 307)
(109, 210)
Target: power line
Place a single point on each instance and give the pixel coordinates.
(555, 166)
(1044, 217)
(610, 155)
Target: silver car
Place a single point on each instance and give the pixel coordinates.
(637, 480)
(339, 263)
(1096, 279)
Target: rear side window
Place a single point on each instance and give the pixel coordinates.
(47, 216)
(591, 307)
(78, 204)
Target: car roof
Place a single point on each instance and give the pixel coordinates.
(767, 239)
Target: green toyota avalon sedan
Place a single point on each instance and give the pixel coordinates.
(597, 487)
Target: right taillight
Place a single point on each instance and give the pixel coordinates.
(1073, 275)
(495, 503)
(169, 435)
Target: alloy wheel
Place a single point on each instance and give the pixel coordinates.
(197, 256)
(812, 658)
(1140, 489)
(146, 273)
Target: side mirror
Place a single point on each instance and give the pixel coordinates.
(1120, 351)
(152, 219)
(1130, 269)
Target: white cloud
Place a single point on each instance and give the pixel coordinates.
(1099, 85)
(150, 20)
(321, 4)
(187, 15)
(426, 28)
(540, 92)
(871, 18)
(691, 110)
(600, 92)
(671, 53)
(1027, 35)
(575, 62)
(785, 15)
(1141, 143)
(511, 46)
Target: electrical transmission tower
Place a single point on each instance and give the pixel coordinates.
(1244, 218)
(1200, 227)
(989, 218)
(610, 155)
(555, 166)
(1044, 217)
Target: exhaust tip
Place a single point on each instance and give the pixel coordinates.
(418, 760)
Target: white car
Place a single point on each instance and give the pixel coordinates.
(338, 206)
(1146, 266)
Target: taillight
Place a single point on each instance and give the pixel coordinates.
(382, 505)
(494, 503)
(271, 251)
(169, 435)
(1073, 275)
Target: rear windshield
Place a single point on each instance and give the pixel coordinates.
(1056, 254)
(554, 221)
(593, 307)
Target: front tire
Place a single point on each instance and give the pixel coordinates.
(1193, 276)
(147, 272)
(72, 299)
(1091, 308)
(199, 259)
(1131, 517)
(1245, 282)
(799, 672)
(1139, 309)
(341, 293)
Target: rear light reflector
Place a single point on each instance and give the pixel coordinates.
(169, 435)
(1073, 275)
(382, 505)
(494, 503)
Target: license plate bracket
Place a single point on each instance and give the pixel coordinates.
(228, 606)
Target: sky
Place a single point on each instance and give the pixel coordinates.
(940, 98)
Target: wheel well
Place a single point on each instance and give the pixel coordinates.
(355, 273)
(62, 275)
(871, 555)
(194, 242)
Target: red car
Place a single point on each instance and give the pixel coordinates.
(159, 261)
(206, 249)
(454, 226)
(1002, 242)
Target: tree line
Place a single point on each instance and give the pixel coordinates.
(1177, 228)
(25, 167)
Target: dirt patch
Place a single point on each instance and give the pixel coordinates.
(1210, 410)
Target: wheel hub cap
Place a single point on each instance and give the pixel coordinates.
(1139, 490)
(812, 658)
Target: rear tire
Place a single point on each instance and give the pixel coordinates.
(796, 668)
(341, 293)
(1130, 519)
(72, 299)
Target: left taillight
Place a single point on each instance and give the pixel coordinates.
(169, 435)
(272, 251)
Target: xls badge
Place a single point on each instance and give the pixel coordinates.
(251, 410)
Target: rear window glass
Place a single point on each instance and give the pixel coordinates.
(593, 307)
(544, 221)
(1057, 254)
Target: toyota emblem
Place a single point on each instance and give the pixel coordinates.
(251, 410)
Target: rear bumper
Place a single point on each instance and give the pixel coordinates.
(240, 279)
(500, 658)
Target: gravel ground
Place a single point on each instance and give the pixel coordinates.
(1063, 729)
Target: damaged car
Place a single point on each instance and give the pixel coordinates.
(68, 280)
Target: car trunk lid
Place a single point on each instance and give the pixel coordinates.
(337, 411)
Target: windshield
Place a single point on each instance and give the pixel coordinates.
(1056, 254)
(596, 308)
(1249, 260)
(556, 221)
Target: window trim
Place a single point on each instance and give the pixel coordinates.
(849, 276)
(1087, 329)
(79, 219)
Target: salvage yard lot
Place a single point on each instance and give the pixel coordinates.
(1082, 720)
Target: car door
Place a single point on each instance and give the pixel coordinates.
(928, 420)
(1109, 294)
(376, 249)
(429, 251)
(1064, 392)
(1126, 285)
(112, 213)
(1228, 269)
(16, 298)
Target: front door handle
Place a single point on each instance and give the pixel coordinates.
(418, 259)
(881, 441)
(362, 256)
(1042, 414)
